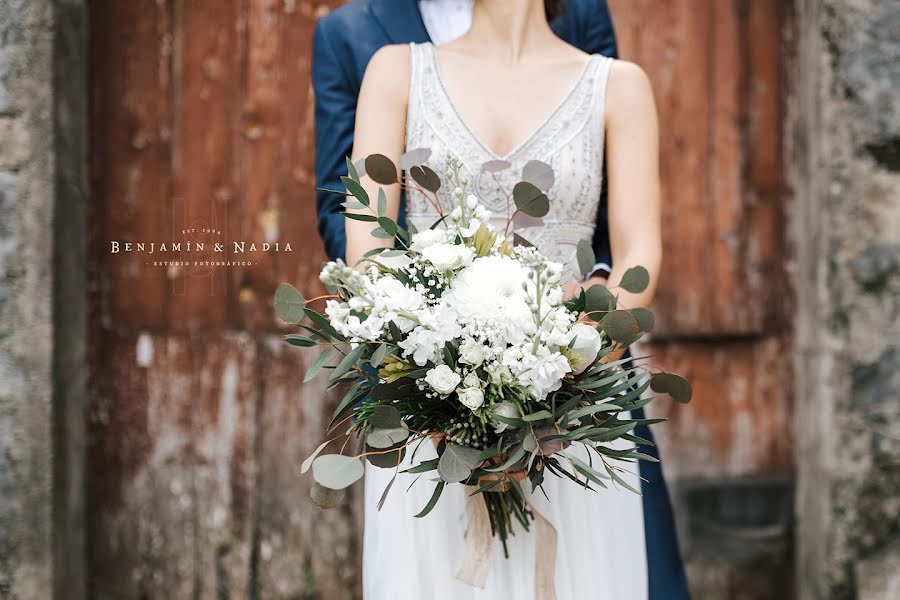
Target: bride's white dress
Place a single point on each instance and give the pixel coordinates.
(601, 553)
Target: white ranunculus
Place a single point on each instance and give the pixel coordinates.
(471, 397)
(587, 344)
(445, 257)
(426, 238)
(442, 379)
(471, 352)
(506, 410)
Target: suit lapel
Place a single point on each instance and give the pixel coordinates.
(400, 19)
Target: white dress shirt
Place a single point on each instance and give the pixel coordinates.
(446, 20)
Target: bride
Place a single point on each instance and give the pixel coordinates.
(511, 90)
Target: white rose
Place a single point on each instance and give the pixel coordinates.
(472, 381)
(472, 398)
(426, 238)
(442, 379)
(471, 353)
(506, 410)
(448, 256)
(587, 344)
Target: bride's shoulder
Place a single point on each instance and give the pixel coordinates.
(628, 89)
(388, 71)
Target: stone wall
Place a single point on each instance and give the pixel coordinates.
(848, 245)
(26, 351)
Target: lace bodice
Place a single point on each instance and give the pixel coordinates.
(570, 140)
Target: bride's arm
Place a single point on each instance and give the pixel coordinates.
(380, 129)
(632, 132)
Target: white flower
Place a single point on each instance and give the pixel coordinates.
(426, 238)
(445, 257)
(499, 373)
(472, 397)
(443, 379)
(472, 381)
(456, 214)
(423, 343)
(395, 262)
(471, 352)
(506, 410)
(471, 202)
(587, 344)
(542, 372)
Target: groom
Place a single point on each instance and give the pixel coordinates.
(344, 42)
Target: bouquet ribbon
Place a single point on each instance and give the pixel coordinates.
(476, 565)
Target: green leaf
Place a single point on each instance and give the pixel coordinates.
(381, 169)
(531, 200)
(326, 497)
(385, 416)
(349, 361)
(324, 324)
(635, 280)
(302, 341)
(385, 438)
(388, 225)
(674, 385)
(586, 258)
(352, 171)
(433, 501)
(356, 190)
(361, 217)
(538, 416)
(336, 471)
(539, 174)
(317, 366)
(418, 156)
(289, 304)
(593, 409)
(457, 462)
(304, 467)
(381, 233)
(598, 299)
(425, 177)
(643, 317)
(386, 460)
(382, 202)
(378, 356)
(620, 326)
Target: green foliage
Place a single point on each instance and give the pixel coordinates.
(530, 199)
(289, 304)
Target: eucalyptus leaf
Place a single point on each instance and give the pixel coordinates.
(320, 362)
(386, 460)
(674, 385)
(523, 221)
(518, 240)
(326, 497)
(495, 166)
(620, 326)
(381, 169)
(598, 299)
(644, 318)
(635, 280)
(385, 417)
(585, 256)
(530, 199)
(433, 501)
(539, 174)
(336, 471)
(289, 304)
(457, 462)
(418, 156)
(385, 438)
(349, 361)
(378, 355)
(304, 467)
(425, 177)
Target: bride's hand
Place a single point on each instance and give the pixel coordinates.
(574, 288)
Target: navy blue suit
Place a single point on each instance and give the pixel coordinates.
(344, 42)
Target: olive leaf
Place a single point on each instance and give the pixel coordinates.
(352, 170)
(289, 304)
(418, 156)
(585, 256)
(674, 385)
(381, 169)
(457, 462)
(425, 177)
(302, 341)
(539, 174)
(336, 471)
(635, 280)
(531, 200)
(356, 190)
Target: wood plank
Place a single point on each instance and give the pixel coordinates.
(131, 115)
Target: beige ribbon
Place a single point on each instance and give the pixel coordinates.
(476, 565)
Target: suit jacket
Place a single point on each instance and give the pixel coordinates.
(345, 41)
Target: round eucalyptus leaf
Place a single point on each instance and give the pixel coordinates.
(538, 173)
(410, 159)
(385, 438)
(289, 304)
(457, 462)
(326, 497)
(425, 177)
(620, 326)
(381, 169)
(598, 301)
(336, 471)
(495, 166)
(674, 385)
(386, 460)
(530, 199)
(644, 318)
(385, 417)
(585, 256)
(635, 280)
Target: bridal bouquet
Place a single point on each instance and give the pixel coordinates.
(462, 337)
